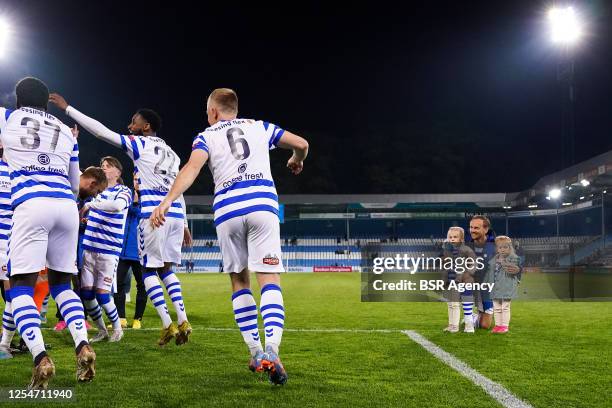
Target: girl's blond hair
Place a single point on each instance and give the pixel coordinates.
(461, 232)
(504, 239)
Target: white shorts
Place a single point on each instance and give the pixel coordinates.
(251, 241)
(159, 245)
(44, 234)
(99, 270)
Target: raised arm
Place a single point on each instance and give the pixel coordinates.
(299, 145)
(4, 114)
(183, 181)
(91, 125)
(74, 172)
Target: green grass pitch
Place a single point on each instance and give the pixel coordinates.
(557, 354)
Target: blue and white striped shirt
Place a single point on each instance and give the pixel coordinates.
(239, 161)
(157, 166)
(42, 154)
(6, 209)
(106, 220)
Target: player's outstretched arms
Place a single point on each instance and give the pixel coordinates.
(91, 125)
(74, 176)
(299, 145)
(183, 181)
(74, 171)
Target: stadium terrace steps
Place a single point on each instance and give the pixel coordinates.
(214, 263)
(304, 253)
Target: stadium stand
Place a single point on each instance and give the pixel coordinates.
(306, 253)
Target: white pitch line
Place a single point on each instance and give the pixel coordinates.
(495, 390)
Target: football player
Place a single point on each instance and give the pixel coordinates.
(102, 243)
(160, 248)
(43, 159)
(245, 216)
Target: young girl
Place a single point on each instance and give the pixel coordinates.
(454, 247)
(505, 280)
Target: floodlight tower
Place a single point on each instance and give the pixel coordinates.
(555, 195)
(565, 32)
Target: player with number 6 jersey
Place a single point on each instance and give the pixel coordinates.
(160, 248)
(246, 216)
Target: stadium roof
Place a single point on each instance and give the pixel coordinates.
(339, 202)
(597, 171)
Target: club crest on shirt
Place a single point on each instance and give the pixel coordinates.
(271, 260)
(43, 159)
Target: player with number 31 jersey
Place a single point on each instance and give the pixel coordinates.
(157, 165)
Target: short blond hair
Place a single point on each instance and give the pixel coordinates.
(225, 99)
(460, 230)
(504, 239)
(98, 175)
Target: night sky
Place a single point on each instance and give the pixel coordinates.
(426, 98)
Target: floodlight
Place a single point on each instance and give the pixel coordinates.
(554, 193)
(565, 28)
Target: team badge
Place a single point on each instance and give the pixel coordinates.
(43, 159)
